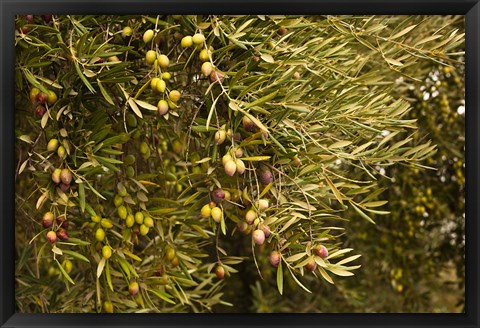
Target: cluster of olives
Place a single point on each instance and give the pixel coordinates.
(133, 289)
(58, 226)
(252, 224)
(232, 164)
(139, 222)
(205, 55)
(39, 99)
(62, 178)
(158, 84)
(212, 210)
(170, 255)
(29, 20)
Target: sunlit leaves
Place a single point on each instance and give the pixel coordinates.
(305, 101)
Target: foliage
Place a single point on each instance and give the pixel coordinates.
(413, 260)
(185, 164)
(425, 241)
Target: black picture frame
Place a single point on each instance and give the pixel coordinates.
(10, 8)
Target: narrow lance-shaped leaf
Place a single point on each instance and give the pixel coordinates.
(334, 189)
(280, 278)
(64, 273)
(76, 255)
(81, 196)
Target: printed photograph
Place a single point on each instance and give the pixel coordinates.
(239, 164)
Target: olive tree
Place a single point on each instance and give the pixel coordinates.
(164, 158)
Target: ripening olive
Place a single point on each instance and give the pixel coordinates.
(311, 265)
(66, 176)
(61, 152)
(230, 167)
(258, 237)
(162, 107)
(262, 204)
(250, 216)
(220, 272)
(47, 219)
(117, 200)
(204, 55)
(240, 166)
(175, 261)
(62, 234)
(161, 86)
(226, 158)
(265, 177)
(321, 251)
(174, 95)
(133, 288)
(96, 218)
(218, 195)
(220, 136)
(153, 83)
(275, 258)
(33, 94)
(207, 68)
(51, 237)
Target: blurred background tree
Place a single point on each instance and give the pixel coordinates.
(192, 163)
(412, 259)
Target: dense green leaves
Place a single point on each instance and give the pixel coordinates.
(183, 178)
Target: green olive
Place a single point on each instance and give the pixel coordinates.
(106, 252)
(148, 36)
(130, 171)
(130, 221)
(131, 120)
(117, 200)
(139, 217)
(100, 234)
(122, 212)
(106, 223)
(144, 230)
(186, 42)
